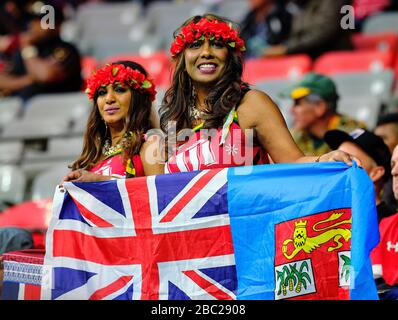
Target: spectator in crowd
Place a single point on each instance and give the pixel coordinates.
(114, 142)
(385, 255)
(314, 112)
(267, 23)
(13, 21)
(207, 92)
(44, 63)
(13, 239)
(387, 129)
(374, 156)
(316, 29)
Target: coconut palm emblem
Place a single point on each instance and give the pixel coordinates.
(290, 279)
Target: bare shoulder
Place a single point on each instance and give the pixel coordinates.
(255, 95)
(150, 154)
(255, 105)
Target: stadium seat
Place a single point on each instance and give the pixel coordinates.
(10, 109)
(105, 19)
(157, 65)
(33, 216)
(121, 45)
(12, 184)
(11, 152)
(353, 61)
(234, 10)
(274, 88)
(288, 68)
(166, 17)
(68, 148)
(35, 128)
(383, 41)
(365, 108)
(79, 126)
(44, 183)
(384, 21)
(62, 106)
(364, 84)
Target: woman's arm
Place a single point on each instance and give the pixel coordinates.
(258, 112)
(82, 175)
(150, 154)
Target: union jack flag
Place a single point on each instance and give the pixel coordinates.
(157, 237)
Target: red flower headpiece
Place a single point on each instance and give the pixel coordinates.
(111, 73)
(206, 29)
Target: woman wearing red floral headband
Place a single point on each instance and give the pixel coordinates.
(207, 92)
(114, 144)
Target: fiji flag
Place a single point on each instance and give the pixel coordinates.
(301, 231)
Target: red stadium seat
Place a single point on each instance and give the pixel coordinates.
(353, 61)
(33, 216)
(289, 67)
(157, 65)
(383, 41)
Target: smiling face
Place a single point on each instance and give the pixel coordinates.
(114, 102)
(205, 61)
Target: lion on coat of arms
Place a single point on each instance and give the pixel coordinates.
(301, 240)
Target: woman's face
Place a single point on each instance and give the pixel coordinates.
(205, 60)
(114, 102)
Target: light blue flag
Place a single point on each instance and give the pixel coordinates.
(303, 231)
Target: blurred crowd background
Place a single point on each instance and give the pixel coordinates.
(43, 107)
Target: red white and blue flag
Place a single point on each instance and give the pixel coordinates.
(143, 238)
(294, 231)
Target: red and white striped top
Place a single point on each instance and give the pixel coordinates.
(200, 152)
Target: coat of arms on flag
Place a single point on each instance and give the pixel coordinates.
(312, 254)
(301, 231)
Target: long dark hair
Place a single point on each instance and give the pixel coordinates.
(137, 121)
(224, 95)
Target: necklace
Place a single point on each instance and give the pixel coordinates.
(108, 150)
(195, 113)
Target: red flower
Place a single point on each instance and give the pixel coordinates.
(218, 29)
(119, 73)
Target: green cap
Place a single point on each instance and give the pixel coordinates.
(313, 83)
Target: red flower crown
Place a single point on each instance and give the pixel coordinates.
(111, 73)
(206, 29)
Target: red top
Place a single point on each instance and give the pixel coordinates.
(114, 166)
(200, 153)
(386, 252)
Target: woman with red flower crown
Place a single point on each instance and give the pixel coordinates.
(229, 124)
(114, 142)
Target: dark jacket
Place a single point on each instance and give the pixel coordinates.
(276, 27)
(316, 29)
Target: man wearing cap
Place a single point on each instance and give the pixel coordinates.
(374, 156)
(385, 255)
(315, 112)
(44, 63)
